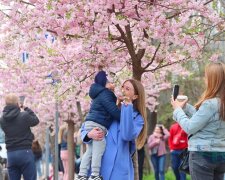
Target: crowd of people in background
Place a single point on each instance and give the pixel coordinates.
(116, 127)
(163, 141)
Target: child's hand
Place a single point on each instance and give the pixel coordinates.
(110, 86)
(120, 98)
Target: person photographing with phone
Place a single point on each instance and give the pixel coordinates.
(21, 101)
(157, 150)
(16, 125)
(206, 123)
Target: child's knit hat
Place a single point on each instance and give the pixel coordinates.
(101, 78)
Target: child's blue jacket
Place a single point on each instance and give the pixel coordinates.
(103, 107)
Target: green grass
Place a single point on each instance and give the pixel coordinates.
(169, 176)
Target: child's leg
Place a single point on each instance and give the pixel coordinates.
(85, 161)
(98, 150)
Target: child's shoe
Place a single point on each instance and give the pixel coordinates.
(95, 178)
(81, 177)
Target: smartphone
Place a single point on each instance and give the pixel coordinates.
(175, 91)
(21, 99)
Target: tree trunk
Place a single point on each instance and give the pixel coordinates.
(152, 120)
(81, 119)
(52, 141)
(79, 111)
(70, 143)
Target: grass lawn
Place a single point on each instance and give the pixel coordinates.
(169, 176)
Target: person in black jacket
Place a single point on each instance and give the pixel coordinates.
(101, 115)
(16, 123)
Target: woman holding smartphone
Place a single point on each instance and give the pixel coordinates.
(206, 123)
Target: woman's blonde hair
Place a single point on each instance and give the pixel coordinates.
(11, 99)
(215, 85)
(139, 104)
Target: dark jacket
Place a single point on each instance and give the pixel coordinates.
(16, 125)
(103, 108)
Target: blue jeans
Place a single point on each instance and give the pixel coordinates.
(158, 163)
(38, 167)
(21, 162)
(175, 161)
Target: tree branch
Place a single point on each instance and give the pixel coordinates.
(153, 58)
(28, 3)
(136, 10)
(121, 31)
(168, 64)
(140, 53)
(5, 14)
(114, 37)
(180, 12)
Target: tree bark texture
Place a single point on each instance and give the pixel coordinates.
(71, 148)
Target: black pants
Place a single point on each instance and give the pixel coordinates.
(61, 168)
(141, 157)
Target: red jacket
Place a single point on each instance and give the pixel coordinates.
(178, 139)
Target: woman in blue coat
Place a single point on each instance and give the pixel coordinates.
(123, 136)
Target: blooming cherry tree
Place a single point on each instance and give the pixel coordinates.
(143, 39)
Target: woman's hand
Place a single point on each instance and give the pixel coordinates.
(127, 100)
(96, 134)
(157, 141)
(119, 101)
(176, 104)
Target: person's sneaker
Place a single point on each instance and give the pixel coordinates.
(81, 177)
(95, 178)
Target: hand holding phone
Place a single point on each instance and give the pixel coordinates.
(21, 101)
(175, 91)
